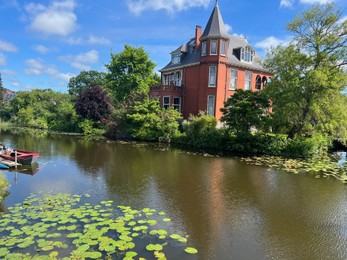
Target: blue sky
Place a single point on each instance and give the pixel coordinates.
(43, 43)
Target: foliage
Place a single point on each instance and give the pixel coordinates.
(85, 80)
(90, 128)
(130, 71)
(61, 226)
(246, 110)
(44, 109)
(94, 104)
(310, 75)
(148, 121)
(3, 187)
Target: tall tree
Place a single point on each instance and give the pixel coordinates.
(246, 110)
(310, 74)
(129, 71)
(94, 104)
(85, 80)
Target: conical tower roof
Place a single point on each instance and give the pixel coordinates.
(215, 27)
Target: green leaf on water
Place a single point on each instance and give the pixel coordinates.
(154, 247)
(191, 250)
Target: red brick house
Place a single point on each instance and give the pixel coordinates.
(205, 71)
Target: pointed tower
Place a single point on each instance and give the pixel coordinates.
(213, 59)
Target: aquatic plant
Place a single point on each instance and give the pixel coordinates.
(62, 226)
(322, 166)
(3, 187)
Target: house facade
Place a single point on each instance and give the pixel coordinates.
(204, 72)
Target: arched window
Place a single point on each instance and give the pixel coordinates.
(247, 54)
(264, 81)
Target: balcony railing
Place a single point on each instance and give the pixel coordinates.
(171, 87)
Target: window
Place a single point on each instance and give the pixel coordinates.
(177, 104)
(210, 105)
(258, 83)
(204, 49)
(212, 76)
(224, 48)
(178, 79)
(247, 54)
(172, 79)
(248, 80)
(166, 102)
(233, 79)
(176, 58)
(165, 80)
(214, 47)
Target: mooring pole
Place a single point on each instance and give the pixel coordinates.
(15, 158)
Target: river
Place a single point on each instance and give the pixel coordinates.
(230, 210)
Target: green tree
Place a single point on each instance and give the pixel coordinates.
(130, 71)
(86, 80)
(94, 104)
(149, 121)
(310, 75)
(45, 109)
(246, 110)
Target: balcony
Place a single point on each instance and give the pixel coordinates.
(174, 87)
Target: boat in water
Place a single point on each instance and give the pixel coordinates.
(22, 156)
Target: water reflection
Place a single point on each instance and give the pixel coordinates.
(230, 210)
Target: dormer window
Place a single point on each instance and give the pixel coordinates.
(176, 58)
(247, 54)
(214, 48)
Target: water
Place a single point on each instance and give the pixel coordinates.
(231, 210)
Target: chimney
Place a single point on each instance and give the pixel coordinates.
(198, 33)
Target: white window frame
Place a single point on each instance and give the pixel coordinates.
(233, 79)
(177, 106)
(224, 48)
(211, 103)
(247, 54)
(204, 49)
(214, 49)
(166, 104)
(248, 80)
(176, 58)
(178, 76)
(172, 78)
(165, 79)
(212, 76)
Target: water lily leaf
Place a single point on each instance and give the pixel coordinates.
(166, 219)
(93, 255)
(154, 247)
(4, 252)
(191, 250)
(53, 254)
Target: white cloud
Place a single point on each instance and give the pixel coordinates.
(55, 19)
(99, 40)
(286, 3)
(41, 49)
(8, 72)
(138, 6)
(6, 46)
(82, 61)
(272, 42)
(228, 28)
(2, 60)
(37, 68)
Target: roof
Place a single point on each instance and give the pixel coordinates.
(192, 56)
(215, 27)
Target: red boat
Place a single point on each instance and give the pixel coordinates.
(23, 157)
